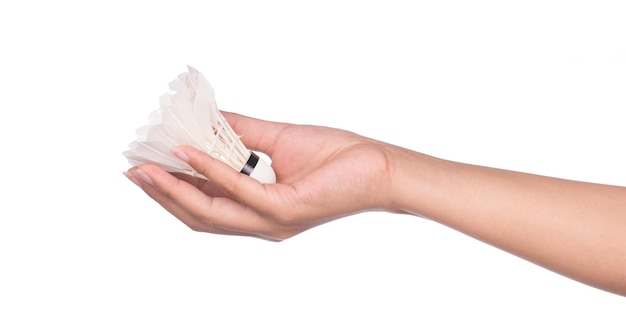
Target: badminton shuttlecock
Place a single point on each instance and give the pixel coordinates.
(188, 115)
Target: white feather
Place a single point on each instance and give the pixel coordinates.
(188, 115)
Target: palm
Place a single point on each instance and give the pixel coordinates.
(327, 169)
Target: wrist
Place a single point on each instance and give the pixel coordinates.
(417, 182)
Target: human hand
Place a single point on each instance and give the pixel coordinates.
(322, 174)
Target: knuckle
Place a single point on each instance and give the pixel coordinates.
(284, 220)
(204, 224)
(230, 189)
(195, 227)
(199, 224)
(200, 167)
(281, 235)
(285, 227)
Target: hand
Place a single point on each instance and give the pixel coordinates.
(322, 174)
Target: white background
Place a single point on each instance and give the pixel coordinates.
(534, 86)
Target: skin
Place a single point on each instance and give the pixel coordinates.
(574, 228)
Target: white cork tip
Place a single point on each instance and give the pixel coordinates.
(263, 172)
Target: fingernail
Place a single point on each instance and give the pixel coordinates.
(143, 176)
(181, 155)
(131, 178)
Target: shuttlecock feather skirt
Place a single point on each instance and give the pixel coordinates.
(188, 115)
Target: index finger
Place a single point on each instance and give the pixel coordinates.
(232, 184)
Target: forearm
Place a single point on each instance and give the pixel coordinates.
(574, 228)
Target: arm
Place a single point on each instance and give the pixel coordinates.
(574, 228)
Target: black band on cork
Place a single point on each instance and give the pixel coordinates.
(250, 164)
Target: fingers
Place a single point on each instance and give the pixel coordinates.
(141, 178)
(232, 184)
(219, 215)
(259, 135)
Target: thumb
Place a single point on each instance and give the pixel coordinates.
(256, 134)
